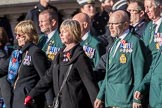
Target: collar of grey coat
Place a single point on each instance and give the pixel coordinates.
(75, 53)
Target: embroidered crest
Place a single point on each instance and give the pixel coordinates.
(89, 51)
(123, 59)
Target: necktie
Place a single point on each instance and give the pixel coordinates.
(112, 51)
(152, 32)
(45, 39)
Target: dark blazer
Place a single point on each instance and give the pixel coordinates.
(33, 14)
(33, 66)
(80, 89)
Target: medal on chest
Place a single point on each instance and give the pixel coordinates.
(158, 40)
(66, 57)
(89, 51)
(126, 47)
(27, 59)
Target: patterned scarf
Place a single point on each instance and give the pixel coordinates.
(14, 64)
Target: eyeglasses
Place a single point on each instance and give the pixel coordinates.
(133, 10)
(115, 24)
(19, 35)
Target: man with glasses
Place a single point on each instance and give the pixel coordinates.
(152, 38)
(137, 16)
(123, 65)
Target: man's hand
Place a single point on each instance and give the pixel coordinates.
(136, 105)
(28, 100)
(98, 104)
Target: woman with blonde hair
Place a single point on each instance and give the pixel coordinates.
(25, 66)
(70, 74)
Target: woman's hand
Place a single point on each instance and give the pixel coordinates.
(28, 100)
(98, 104)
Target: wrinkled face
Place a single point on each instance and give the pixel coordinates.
(116, 26)
(89, 9)
(21, 39)
(65, 36)
(45, 23)
(151, 9)
(135, 13)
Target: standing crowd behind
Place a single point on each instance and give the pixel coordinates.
(109, 57)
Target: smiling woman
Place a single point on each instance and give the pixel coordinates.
(24, 68)
(25, 32)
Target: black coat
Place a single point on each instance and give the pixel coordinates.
(80, 89)
(28, 76)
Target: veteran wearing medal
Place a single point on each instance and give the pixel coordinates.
(24, 68)
(154, 27)
(153, 39)
(50, 41)
(92, 47)
(123, 64)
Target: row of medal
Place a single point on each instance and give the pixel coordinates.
(27, 60)
(126, 47)
(52, 51)
(158, 40)
(89, 51)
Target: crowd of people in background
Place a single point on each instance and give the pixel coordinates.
(106, 57)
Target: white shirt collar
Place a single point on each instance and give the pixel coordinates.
(158, 22)
(85, 36)
(124, 34)
(51, 34)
